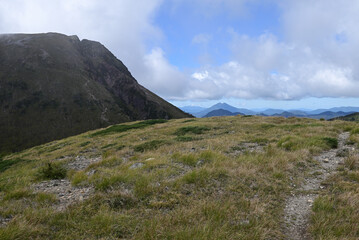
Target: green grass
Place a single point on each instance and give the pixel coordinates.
(5, 164)
(151, 145)
(186, 138)
(191, 129)
(126, 127)
(180, 180)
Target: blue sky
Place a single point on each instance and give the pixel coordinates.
(181, 24)
(248, 53)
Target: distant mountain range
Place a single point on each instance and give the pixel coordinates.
(224, 109)
(221, 112)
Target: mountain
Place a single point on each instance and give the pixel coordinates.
(271, 111)
(224, 106)
(345, 109)
(192, 109)
(284, 114)
(325, 115)
(335, 109)
(298, 112)
(328, 115)
(354, 117)
(53, 86)
(221, 112)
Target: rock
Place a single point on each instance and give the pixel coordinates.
(136, 165)
(5, 220)
(200, 162)
(82, 162)
(244, 222)
(326, 160)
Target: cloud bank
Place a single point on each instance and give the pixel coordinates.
(315, 58)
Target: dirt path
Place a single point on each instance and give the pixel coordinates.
(298, 206)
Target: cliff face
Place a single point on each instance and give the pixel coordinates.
(53, 86)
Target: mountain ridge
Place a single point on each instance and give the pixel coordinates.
(68, 85)
(316, 114)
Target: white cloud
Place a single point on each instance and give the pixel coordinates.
(200, 76)
(122, 26)
(163, 78)
(201, 38)
(315, 57)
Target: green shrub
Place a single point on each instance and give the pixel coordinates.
(331, 142)
(52, 171)
(186, 139)
(151, 145)
(191, 129)
(189, 120)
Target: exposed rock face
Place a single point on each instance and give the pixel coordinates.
(53, 86)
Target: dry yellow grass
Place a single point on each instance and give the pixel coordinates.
(213, 178)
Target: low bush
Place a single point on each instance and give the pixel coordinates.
(52, 171)
(191, 129)
(151, 145)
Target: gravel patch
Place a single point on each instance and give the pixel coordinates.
(82, 162)
(246, 147)
(298, 207)
(65, 193)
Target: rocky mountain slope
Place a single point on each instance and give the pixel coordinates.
(53, 86)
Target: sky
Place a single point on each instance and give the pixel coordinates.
(249, 53)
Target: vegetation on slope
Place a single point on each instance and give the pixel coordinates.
(212, 178)
(354, 117)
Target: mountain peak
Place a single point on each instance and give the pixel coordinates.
(69, 86)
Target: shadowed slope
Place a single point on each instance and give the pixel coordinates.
(53, 86)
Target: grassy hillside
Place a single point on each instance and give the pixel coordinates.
(354, 117)
(212, 178)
